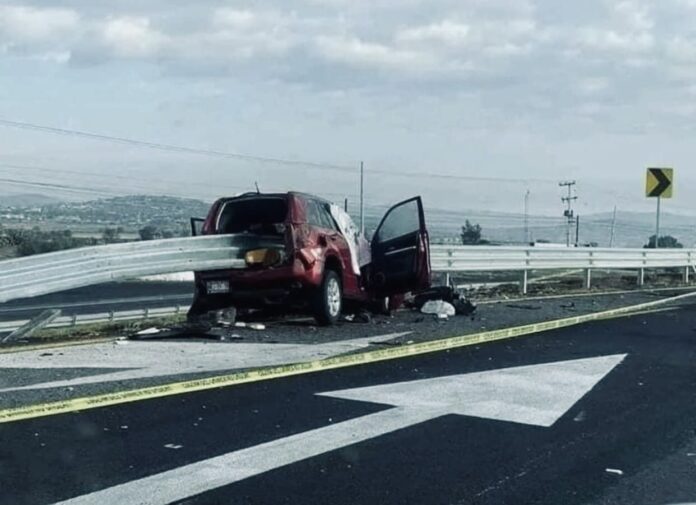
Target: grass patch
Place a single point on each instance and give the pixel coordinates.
(103, 330)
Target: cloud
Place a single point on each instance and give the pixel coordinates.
(353, 51)
(23, 24)
(629, 28)
(132, 37)
(447, 32)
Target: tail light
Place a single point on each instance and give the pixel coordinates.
(264, 257)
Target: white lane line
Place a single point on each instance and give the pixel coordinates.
(139, 360)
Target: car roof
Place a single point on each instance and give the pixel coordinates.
(300, 194)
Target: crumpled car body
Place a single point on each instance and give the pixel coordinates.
(301, 252)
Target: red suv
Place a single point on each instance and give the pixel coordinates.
(303, 251)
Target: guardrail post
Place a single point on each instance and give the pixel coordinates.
(641, 276)
(685, 276)
(588, 278)
(523, 282)
(447, 279)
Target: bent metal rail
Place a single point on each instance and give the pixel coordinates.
(59, 271)
(52, 272)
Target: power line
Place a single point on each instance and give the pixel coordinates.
(61, 187)
(124, 190)
(169, 147)
(254, 158)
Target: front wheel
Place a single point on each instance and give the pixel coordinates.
(328, 299)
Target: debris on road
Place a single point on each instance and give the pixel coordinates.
(427, 301)
(149, 331)
(173, 446)
(614, 471)
(257, 326)
(439, 308)
(226, 317)
(463, 307)
(442, 293)
(523, 306)
(228, 338)
(361, 317)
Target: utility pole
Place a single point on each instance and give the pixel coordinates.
(577, 230)
(657, 224)
(362, 198)
(568, 213)
(613, 227)
(527, 238)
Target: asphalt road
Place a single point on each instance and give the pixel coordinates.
(115, 296)
(616, 427)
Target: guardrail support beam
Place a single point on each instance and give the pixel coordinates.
(524, 281)
(686, 275)
(641, 276)
(588, 278)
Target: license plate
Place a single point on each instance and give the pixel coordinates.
(213, 287)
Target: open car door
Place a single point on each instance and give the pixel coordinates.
(401, 250)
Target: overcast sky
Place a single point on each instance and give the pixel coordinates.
(594, 90)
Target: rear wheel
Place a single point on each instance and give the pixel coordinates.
(328, 299)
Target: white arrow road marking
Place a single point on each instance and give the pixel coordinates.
(157, 359)
(537, 395)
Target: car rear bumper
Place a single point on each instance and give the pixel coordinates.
(256, 287)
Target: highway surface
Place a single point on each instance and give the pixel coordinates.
(600, 413)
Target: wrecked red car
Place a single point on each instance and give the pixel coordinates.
(301, 251)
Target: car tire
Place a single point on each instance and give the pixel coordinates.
(327, 302)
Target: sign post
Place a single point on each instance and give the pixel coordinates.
(659, 184)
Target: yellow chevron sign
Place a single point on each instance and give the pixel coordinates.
(658, 182)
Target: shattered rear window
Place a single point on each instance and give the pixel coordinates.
(260, 216)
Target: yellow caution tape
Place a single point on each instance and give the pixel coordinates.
(362, 358)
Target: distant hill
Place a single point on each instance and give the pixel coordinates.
(632, 229)
(129, 211)
(27, 200)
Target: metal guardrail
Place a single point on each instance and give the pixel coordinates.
(488, 258)
(59, 271)
(100, 318)
(452, 259)
(74, 268)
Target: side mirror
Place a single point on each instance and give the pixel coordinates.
(197, 226)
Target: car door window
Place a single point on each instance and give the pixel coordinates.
(318, 215)
(314, 214)
(326, 219)
(402, 220)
